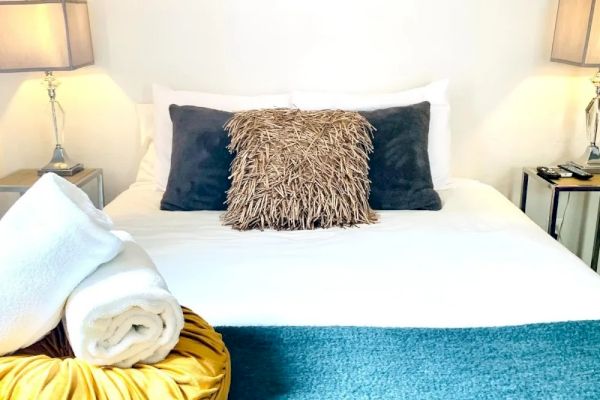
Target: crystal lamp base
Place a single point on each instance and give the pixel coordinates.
(61, 164)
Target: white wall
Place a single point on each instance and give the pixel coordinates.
(511, 106)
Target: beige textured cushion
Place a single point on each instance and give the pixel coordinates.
(299, 170)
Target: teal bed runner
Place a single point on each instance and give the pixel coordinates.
(540, 361)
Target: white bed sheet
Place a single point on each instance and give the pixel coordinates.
(477, 262)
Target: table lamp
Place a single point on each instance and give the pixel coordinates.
(47, 35)
(577, 42)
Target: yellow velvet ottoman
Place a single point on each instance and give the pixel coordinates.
(197, 368)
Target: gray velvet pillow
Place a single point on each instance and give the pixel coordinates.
(199, 160)
(399, 167)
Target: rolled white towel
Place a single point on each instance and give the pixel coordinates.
(50, 239)
(123, 313)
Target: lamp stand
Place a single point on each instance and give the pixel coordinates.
(592, 112)
(60, 163)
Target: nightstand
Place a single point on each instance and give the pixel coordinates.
(557, 187)
(20, 181)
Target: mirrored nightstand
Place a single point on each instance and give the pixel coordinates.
(20, 181)
(558, 186)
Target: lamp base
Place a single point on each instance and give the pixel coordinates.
(591, 156)
(61, 164)
(61, 171)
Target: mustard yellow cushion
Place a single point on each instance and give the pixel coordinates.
(197, 368)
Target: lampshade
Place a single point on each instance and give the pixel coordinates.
(44, 35)
(577, 33)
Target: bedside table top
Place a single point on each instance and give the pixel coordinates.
(23, 179)
(573, 184)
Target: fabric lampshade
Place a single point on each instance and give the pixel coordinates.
(577, 33)
(48, 35)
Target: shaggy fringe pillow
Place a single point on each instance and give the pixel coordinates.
(299, 170)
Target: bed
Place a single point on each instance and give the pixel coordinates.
(473, 301)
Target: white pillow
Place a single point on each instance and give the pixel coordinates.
(164, 97)
(146, 171)
(439, 127)
(145, 114)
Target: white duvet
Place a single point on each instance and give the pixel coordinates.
(478, 262)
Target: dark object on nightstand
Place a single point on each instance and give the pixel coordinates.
(556, 187)
(548, 172)
(577, 172)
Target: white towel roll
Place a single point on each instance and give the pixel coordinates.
(123, 313)
(50, 240)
